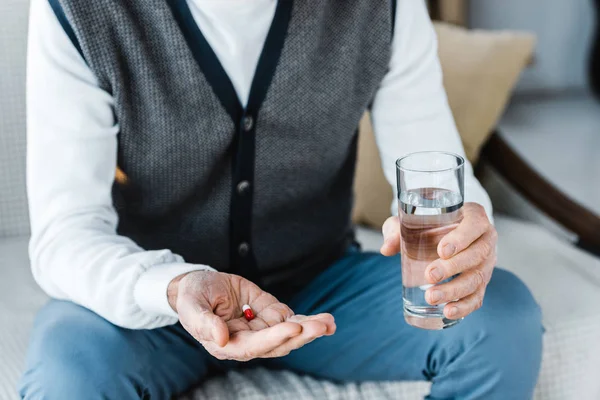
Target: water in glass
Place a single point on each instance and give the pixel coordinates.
(426, 216)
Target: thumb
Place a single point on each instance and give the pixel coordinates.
(391, 237)
(198, 319)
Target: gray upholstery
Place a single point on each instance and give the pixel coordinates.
(13, 37)
(558, 136)
(568, 126)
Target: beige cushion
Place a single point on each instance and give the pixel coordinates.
(480, 70)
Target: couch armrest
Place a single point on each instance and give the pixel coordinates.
(545, 196)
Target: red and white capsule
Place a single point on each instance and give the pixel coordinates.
(248, 312)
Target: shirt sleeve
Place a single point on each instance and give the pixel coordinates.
(410, 111)
(75, 251)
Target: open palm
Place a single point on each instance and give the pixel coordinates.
(209, 305)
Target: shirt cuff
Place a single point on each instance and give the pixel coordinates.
(150, 292)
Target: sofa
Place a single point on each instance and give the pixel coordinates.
(564, 279)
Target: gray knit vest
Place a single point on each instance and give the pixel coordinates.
(265, 191)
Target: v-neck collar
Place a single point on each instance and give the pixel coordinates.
(213, 69)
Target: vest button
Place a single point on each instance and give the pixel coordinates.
(243, 187)
(243, 249)
(248, 123)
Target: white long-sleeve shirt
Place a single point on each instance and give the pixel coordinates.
(75, 251)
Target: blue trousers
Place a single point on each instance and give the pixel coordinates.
(492, 354)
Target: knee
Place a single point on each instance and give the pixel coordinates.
(508, 327)
(509, 303)
(74, 354)
(500, 345)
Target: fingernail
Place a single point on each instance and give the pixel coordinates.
(436, 274)
(435, 296)
(453, 312)
(448, 250)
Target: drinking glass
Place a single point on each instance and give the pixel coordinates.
(430, 200)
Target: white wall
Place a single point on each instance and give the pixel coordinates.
(564, 29)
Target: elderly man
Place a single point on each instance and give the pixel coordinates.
(231, 127)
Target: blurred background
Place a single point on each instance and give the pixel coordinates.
(565, 30)
(553, 119)
(521, 78)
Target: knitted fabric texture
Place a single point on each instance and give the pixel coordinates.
(176, 138)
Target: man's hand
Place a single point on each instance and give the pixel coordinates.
(469, 250)
(209, 305)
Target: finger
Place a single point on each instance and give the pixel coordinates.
(246, 345)
(198, 319)
(251, 294)
(460, 287)
(474, 224)
(273, 313)
(311, 330)
(478, 253)
(391, 237)
(466, 306)
(324, 318)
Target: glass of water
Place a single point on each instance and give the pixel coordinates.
(430, 200)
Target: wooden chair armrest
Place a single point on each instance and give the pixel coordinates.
(550, 200)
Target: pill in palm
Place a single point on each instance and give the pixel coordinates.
(248, 312)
